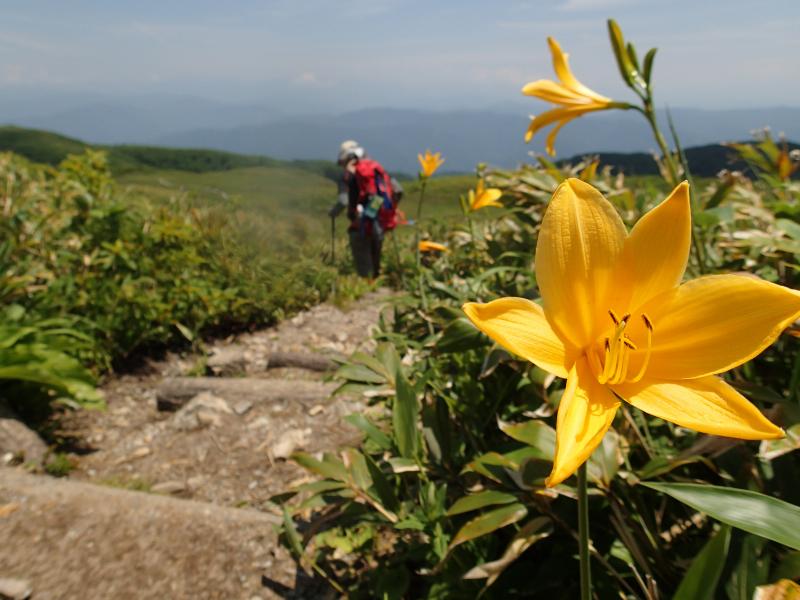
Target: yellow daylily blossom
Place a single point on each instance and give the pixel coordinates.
(617, 324)
(573, 99)
(426, 246)
(482, 196)
(430, 162)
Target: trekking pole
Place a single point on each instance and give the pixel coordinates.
(333, 240)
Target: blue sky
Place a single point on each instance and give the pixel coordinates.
(334, 55)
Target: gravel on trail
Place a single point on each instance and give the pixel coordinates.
(176, 503)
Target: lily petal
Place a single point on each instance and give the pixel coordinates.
(715, 323)
(707, 404)
(564, 73)
(521, 327)
(484, 198)
(565, 114)
(657, 249)
(584, 415)
(550, 91)
(550, 141)
(579, 243)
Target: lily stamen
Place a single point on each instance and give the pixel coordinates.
(649, 327)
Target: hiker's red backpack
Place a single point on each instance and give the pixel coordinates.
(375, 194)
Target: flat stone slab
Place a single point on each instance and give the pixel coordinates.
(76, 540)
(174, 392)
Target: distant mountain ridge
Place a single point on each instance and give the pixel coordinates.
(392, 135)
(51, 148)
(466, 138)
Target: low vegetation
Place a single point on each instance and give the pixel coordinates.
(447, 496)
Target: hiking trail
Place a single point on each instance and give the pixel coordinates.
(170, 494)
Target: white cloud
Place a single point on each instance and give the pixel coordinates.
(306, 78)
(580, 5)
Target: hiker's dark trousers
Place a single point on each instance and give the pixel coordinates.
(366, 253)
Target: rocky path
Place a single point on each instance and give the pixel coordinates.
(171, 496)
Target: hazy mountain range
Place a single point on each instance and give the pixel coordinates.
(394, 136)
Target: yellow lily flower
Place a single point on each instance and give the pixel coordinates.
(426, 246)
(573, 99)
(430, 162)
(616, 323)
(482, 197)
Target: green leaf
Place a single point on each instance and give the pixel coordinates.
(479, 500)
(489, 522)
(533, 531)
(750, 571)
(320, 486)
(700, 581)
(404, 417)
(329, 467)
(386, 353)
(770, 449)
(755, 513)
(185, 331)
(787, 568)
(460, 335)
(293, 538)
(604, 462)
(790, 228)
(355, 372)
(381, 486)
(626, 68)
(372, 363)
(357, 467)
(536, 434)
(358, 420)
(647, 69)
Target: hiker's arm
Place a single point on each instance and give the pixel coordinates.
(342, 198)
(341, 204)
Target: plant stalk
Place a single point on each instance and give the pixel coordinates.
(583, 534)
(650, 115)
(417, 221)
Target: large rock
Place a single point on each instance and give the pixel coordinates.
(174, 392)
(77, 540)
(17, 440)
(227, 361)
(204, 410)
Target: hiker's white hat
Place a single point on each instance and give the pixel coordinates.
(349, 150)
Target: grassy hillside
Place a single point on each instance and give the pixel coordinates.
(704, 161)
(287, 205)
(51, 148)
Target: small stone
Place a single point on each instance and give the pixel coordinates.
(341, 336)
(253, 485)
(204, 410)
(195, 482)
(260, 423)
(227, 361)
(15, 589)
(315, 410)
(140, 452)
(289, 442)
(242, 407)
(208, 418)
(18, 439)
(169, 487)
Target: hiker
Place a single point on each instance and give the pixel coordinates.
(370, 197)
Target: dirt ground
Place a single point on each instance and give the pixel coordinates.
(176, 504)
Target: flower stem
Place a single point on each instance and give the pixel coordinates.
(417, 220)
(650, 114)
(397, 259)
(583, 534)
